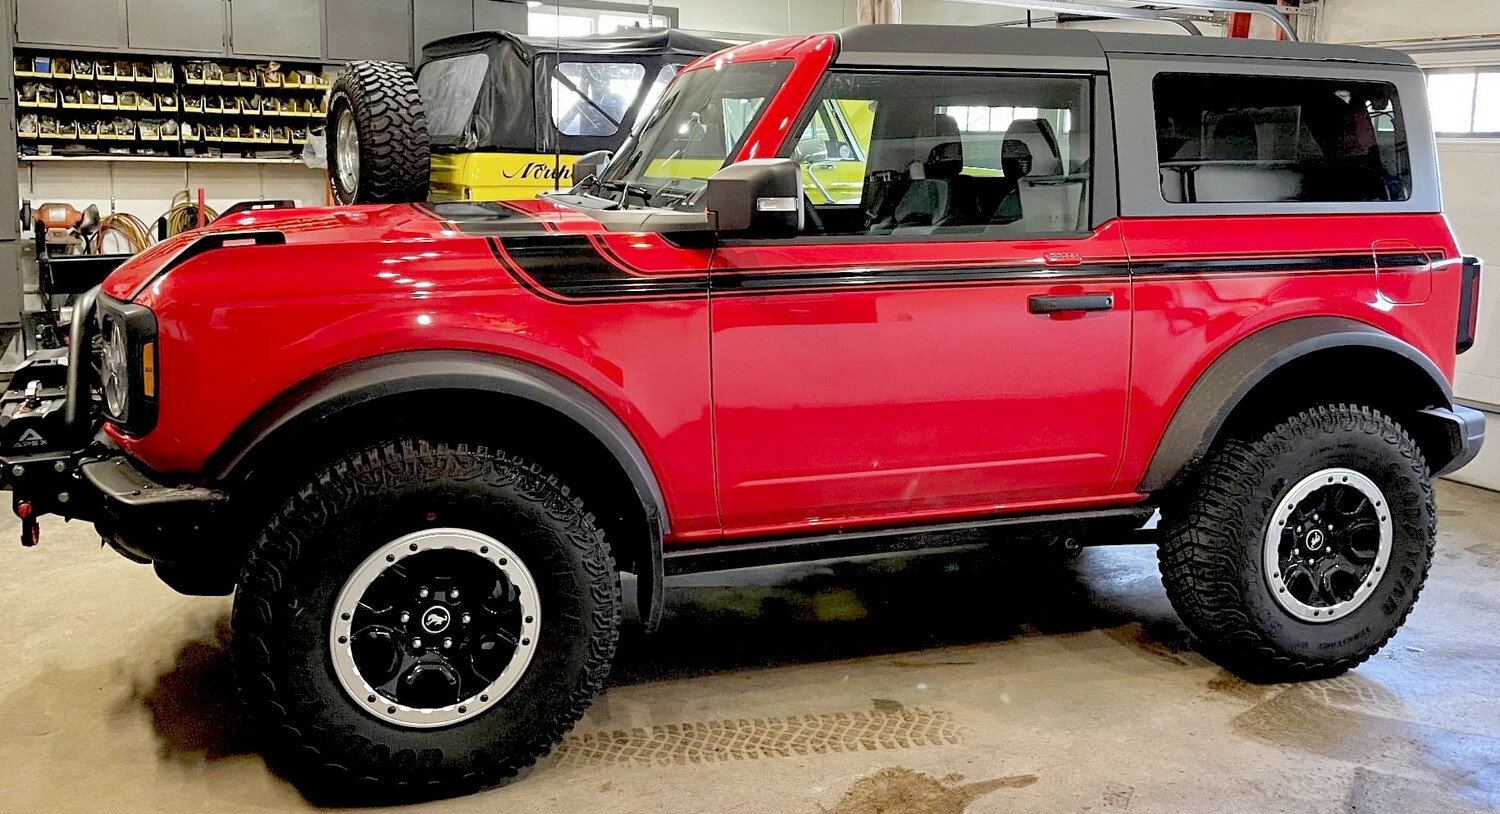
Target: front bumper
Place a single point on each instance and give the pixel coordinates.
(1464, 427)
(154, 521)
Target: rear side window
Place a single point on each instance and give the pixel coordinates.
(592, 98)
(1268, 139)
(449, 88)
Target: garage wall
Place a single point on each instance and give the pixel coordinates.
(1470, 171)
(1371, 21)
(764, 17)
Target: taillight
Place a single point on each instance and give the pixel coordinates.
(1468, 304)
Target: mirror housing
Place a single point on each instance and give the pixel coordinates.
(590, 164)
(761, 197)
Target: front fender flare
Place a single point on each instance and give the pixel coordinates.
(1220, 389)
(336, 390)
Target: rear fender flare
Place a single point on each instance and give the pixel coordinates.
(1219, 390)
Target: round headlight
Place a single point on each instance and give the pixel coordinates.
(116, 372)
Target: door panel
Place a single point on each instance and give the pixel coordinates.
(881, 382)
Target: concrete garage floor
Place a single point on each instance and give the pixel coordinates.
(933, 685)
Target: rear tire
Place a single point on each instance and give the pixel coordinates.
(378, 148)
(1298, 555)
(403, 709)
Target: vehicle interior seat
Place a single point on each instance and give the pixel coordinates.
(915, 153)
(915, 179)
(1049, 198)
(1229, 168)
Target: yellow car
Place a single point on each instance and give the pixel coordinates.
(508, 115)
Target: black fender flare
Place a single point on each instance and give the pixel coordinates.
(349, 385)
(1226, 382)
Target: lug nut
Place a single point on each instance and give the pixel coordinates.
(465, 618)
(18, 470)
(447, 643)
(60, 466)
(62, 497)
(453, 594)
(416, 643)
(405, 617)
(422, 592)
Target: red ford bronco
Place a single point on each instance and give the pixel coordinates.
(826, 297)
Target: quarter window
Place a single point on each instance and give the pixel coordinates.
(930, 154)
(592, 98)
(1266, 139)
(449, 88)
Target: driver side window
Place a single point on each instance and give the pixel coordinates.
(934, 154)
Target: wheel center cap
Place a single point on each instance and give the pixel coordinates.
(436, 619)
(1314, 540)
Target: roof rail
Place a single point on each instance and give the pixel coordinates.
(1181, 12)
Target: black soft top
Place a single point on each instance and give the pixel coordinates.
(512, 111)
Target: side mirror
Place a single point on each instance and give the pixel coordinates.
(590, 165)
(761, 197)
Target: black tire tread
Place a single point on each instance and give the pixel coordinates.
(395, 152)
(1198, 570)
(370, 767)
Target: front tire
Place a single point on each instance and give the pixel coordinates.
(1298, 555)
(423, 620)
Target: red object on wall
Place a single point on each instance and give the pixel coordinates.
(1239, 26)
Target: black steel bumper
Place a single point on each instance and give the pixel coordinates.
(54, 460)
(1465, 432)
(153, 521)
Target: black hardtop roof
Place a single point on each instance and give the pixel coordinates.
(949, 44)
(624, 41)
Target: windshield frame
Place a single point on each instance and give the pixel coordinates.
(625, 174)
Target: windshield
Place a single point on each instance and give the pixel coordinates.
(693, 133)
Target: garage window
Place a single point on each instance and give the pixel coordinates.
(1465, 102)
(1267, 139)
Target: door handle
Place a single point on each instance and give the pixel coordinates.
(1047, 304)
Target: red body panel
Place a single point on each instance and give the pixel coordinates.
(1184, 322)
(240, 326)
(851, 406)
(811, 408)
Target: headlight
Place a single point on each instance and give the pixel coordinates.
(127, 363)
(116, 370)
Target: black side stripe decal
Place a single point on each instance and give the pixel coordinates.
(572, 268)
(1274, 265)
(763, 282)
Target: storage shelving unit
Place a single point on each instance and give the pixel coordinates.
(121, 106)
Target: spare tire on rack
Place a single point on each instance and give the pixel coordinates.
(378, 150)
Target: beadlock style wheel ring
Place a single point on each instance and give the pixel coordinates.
(435, 627)
(1327, 545)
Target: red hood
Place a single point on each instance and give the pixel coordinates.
(359, 224)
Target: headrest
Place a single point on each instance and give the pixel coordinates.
(1015, 158)
(1037, 135)
(1234, 139)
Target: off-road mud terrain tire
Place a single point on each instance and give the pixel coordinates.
(1213, 555)
(312, 729)
(394, 155)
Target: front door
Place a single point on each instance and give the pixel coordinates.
(955, 341)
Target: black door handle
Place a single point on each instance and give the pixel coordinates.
(1041, 304)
